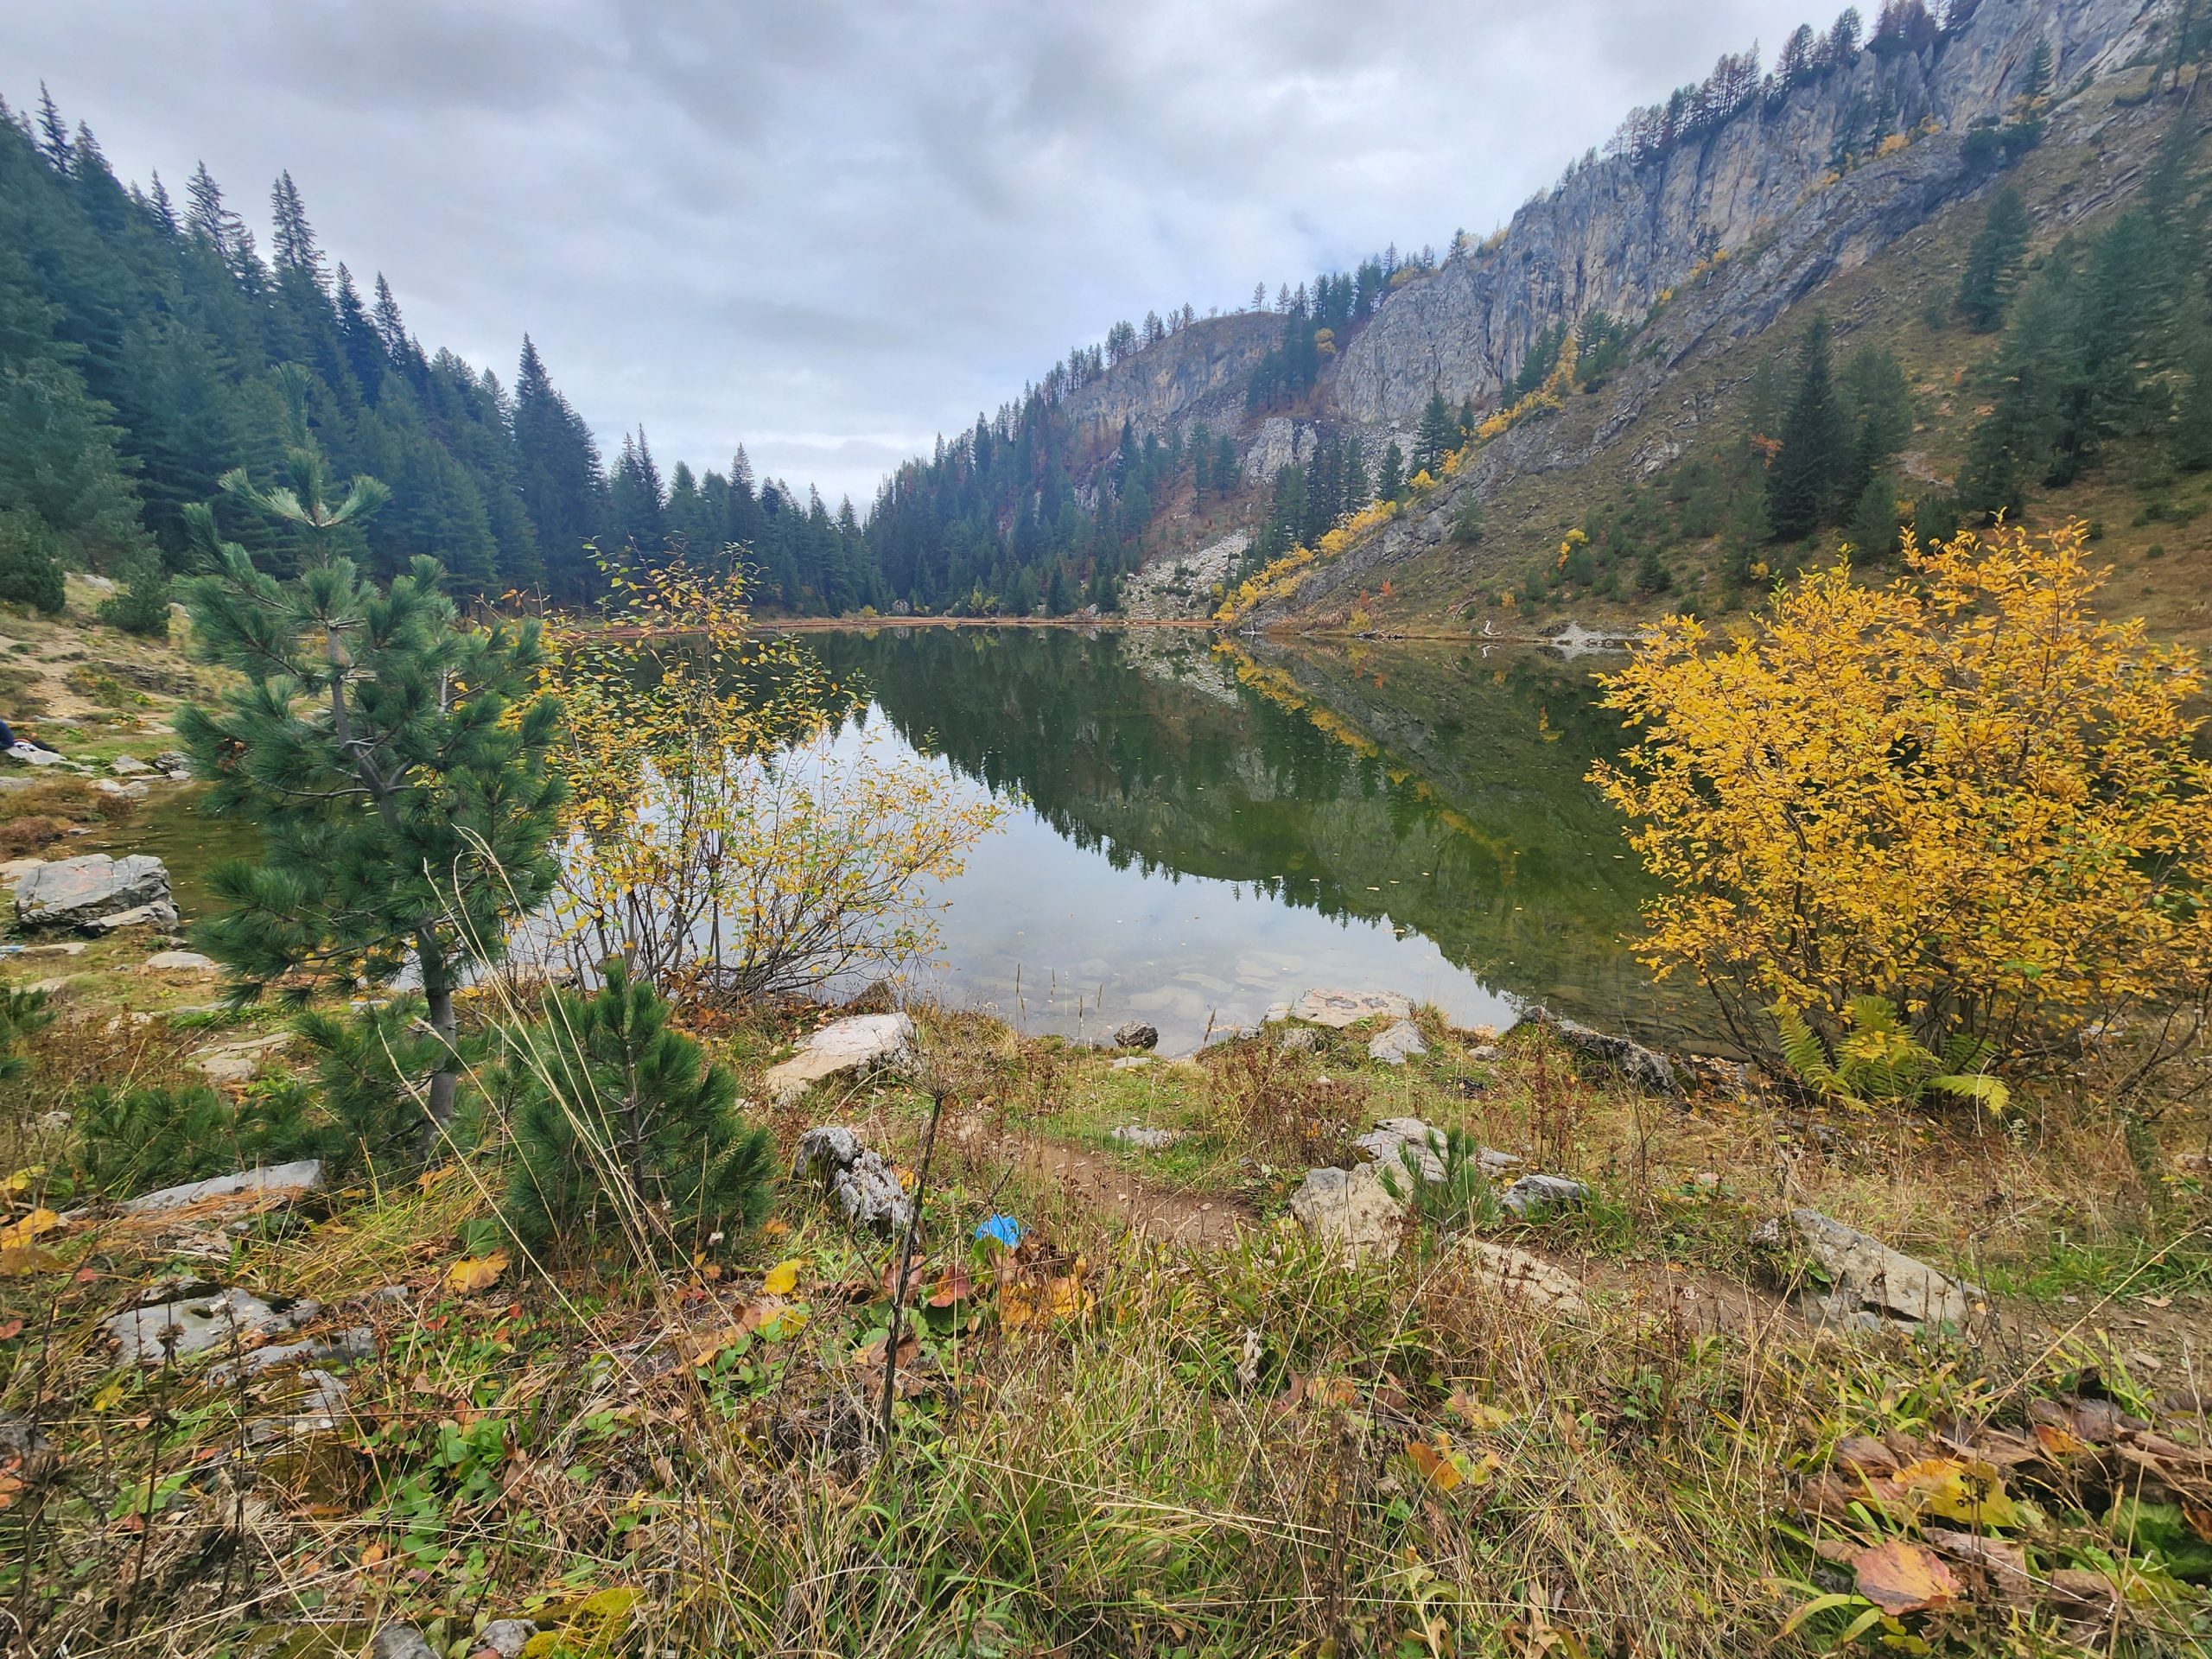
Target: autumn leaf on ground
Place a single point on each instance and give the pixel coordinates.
(954, 1286)
(1477, 1414)
(783, 1278)
(1900, 1577)
(19, 1233)
(472, 1273)
(1026, 1307)
(1447, 1468)
(1971, 1492)
(17, 1261)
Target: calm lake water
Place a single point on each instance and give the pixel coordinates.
(1199, 831)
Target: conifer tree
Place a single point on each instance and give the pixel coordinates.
(1802, 488)
(622, 1123)
(395, 762)
(1992, 261)
(1437, 436)
(1390, 482)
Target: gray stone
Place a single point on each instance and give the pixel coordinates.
(1337, 1009)
(124, 766)
(311, 1403)
(402, 1641)
(861, 1042)
(146, 1336)
(173, 762)
(1136, 1033)
(304, 1176)
(1402, 1042)
(1394, 1140)
(1646, 1068)
(1131, 1063)
(505, 1636)
(864, 1188)
(359, 1343)
(79, 891)
(162, 915)
(122, 792)
(1144, 1139)
(1533, 1196)
(1298, 1039)
(1525, 1278)
(180, 961)
(31, 756)
(1276, 1014)
(1869, 1284)
(1351, 1210)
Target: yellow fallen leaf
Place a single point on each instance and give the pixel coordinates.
(22, 1232)
(24, 1179)
(785, 1322)
(16, 1261)
(783, 1278)
(1477, 1414)
(476, 1272)
(1900, 1577)
(1971, 1492)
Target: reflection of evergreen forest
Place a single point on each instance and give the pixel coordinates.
(1437, 789)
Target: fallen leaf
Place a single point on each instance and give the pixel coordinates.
(1023, 1306)
(24, 1179)
(1900, 1577)
(2199, 1520)
(2002, 1561)
(19, 1233)
(954, 1286)
(1959, 1491)
(1865, 1455)
(475, 1272)
(2059, 1442)
(18, 1260)
(1447, 1468)
(11, 1330)
(783, 1278)
(1477, 1414)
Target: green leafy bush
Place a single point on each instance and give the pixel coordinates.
(623, 1123)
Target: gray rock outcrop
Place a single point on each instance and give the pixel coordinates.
(1400, 1043)
(147, 1336)
(1337, 1009)
(1351, 1210)
(864, 1189)
(1868, 1285)
(858, 1042)
(86, 891)
(1646, 1068)
(1536, 1196)
(304, 1175)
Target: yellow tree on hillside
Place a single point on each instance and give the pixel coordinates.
(1962, 793)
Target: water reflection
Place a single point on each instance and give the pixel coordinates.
(1209, 830)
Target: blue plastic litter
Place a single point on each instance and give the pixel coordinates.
(1001, 1229)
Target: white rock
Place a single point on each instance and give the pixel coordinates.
(304, 1176)
(506, 1637)
(180, 961)
(1337, 1009)
(1402, 1042)
(1352, 1210)
(1526, 1277)
(124, 766)
(147, 1335)
(1131, 1063)
(859, 1042)
(162, 915)
(1395, 1140)
(1144, 1139)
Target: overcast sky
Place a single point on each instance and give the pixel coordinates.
(830, 230)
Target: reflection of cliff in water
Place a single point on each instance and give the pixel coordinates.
(1431, 787)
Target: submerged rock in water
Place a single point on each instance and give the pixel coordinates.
(87, 890)
(1869, 1284)
(864, 1188)
(1352, 1210)
(1646, 1068)
(859, 1042)
(1337, 1009)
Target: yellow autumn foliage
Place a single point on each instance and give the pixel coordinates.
(1962, 792)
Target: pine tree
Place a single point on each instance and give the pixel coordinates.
(1992, 261)
(1437, 436)
(395, 762)
(1390, 482)
(163, 212)
(142, 606)
(1802, 488)
(623, 1125)
(1873, 531)
(30, 565)
(54, 133)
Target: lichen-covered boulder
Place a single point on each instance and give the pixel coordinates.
(83, 891)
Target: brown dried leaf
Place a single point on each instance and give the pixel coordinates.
(2003, 1563)
(1901, 1577)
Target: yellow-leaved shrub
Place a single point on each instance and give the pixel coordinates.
(1962, 792)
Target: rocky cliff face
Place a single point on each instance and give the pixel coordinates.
(1615, 235)
(1200, 372)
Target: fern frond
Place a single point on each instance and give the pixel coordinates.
(1803, 1052)
(1976, 1086)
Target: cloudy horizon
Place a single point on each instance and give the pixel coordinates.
(831, 233)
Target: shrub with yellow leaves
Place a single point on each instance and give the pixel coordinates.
(721, 836)
(1961, 792)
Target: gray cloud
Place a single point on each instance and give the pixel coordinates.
(830, 231)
